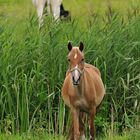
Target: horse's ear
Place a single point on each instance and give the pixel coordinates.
(69, 46)
(81, 47)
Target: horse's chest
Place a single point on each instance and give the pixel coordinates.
(82, 104)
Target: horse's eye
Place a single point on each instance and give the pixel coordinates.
(69, 60)
(82, 60)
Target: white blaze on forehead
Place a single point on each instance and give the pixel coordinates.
(75, 56)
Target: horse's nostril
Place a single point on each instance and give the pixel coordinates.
(73, 78)
(78, 79)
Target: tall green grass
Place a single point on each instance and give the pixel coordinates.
(33, 64)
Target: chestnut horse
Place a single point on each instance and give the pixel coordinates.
(82, 91)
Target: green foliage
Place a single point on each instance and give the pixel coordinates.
(33, 64)
(126, 136)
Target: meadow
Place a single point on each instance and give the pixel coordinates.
(33, 64)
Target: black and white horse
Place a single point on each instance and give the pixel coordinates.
(54, 7)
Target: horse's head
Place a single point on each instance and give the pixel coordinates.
(76, 62)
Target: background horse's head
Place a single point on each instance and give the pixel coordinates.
(76, 62)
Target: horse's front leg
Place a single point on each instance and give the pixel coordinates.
(81, 125)
(91, 123)
(75, 115)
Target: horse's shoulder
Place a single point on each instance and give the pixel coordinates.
(93, 67)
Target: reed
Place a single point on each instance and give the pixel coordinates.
(33, 64)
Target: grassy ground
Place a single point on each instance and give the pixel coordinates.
(125, 136)
(31, 137)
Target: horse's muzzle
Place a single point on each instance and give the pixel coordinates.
(76, 76)
(75, 82)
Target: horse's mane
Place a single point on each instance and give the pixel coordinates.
(93, 67)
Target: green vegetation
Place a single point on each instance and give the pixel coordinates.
(33, 63)
(126, 136)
